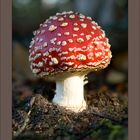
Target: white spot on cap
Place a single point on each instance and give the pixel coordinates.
(75, 66)
(80, 66)
(44, 73)
(75, 24)
(82, 20)
(103, 35)
(45, 60)
(58, 14)
(81, 57)
(84, 25)
(71, 49)
(40, 64)
(64, 24)
(34, 32)
(46, 54)
(54, 61)
(37, 56)
(58, 49)
(107, 50)
(103, 62)
(96, 42)
(37, 39)
(90, 55)
(63, 53)
(88, 37)
(69, 63)
(89, 18)
(35, 70)
(50, 50)
(97, 63)
(58, 43)
(40, 40)
(46, 21)
(44, 25)
(70, 40)
(101, 47)
(71, 57)
(30, 58)
(60, 54)
(82, 34)
(84, 47)
(61, 19)
(110, 54)
(72, 16)
(80, 40)
(36, 48)
(75, 28)
(63, 58)
(47, 69)
(66, 33)
(64, 43)
(32, 53)
(70, 12)
(45, 44)
(63, 13)
(53, 40)
(58, 34)
(93, 22)
(98, 54)
(81, 16)
(65, 67)
(90, 47)
(38, 32)
(31, 67)
(32, 43)
(96, 38)
(42, 31)
(99, 27)
(74, 35)
(30, 46)
(93, 27)
(52, 28)
(54, 17)
(107, 40)
(108, 45)
(91, 63)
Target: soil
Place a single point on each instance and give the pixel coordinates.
(36, 118)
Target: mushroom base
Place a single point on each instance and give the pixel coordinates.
(70, 93)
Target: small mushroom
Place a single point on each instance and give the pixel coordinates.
(79, 49)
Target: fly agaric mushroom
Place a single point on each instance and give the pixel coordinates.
(65, 48)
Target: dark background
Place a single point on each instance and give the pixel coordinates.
(112, 15)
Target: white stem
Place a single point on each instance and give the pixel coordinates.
(70, 93)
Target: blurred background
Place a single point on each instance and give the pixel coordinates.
(112, 15)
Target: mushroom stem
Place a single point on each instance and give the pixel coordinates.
(70, 93)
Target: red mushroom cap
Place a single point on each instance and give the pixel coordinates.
(68, 42)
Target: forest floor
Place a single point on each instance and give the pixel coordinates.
(35, 117)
